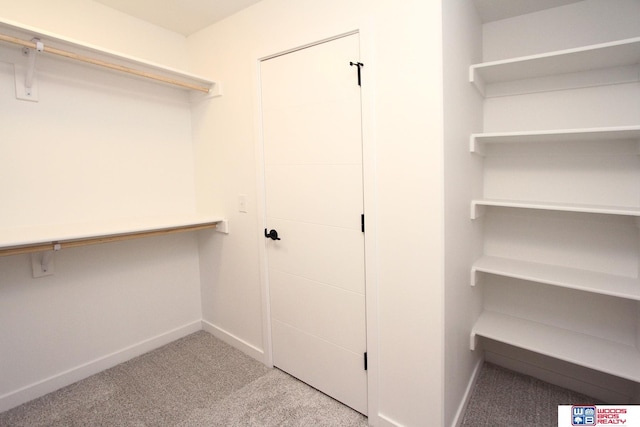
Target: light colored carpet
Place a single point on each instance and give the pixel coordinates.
(276, 399)
(200, 381)
(503, 398)
(195, 381)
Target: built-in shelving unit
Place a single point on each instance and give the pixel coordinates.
(525, 252)
(585, 350)
(22, 36)
(598, 56)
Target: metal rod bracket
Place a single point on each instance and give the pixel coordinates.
(26, 83)
(42, 263)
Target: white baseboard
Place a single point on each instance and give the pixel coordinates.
(63, 379)
(457, 420)
(234, 341)
(384, 421)
(381, 420)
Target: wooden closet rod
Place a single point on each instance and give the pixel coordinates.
(41, 247)
(116, 67)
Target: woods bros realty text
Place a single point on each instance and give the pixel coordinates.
(611, 416)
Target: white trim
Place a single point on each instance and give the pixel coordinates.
(312, 44)
(261, 202)
(369, 183)
(384, 421)
(459, 417)
(232, 340)
(80, 372)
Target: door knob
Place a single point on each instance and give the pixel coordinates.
(273, 234)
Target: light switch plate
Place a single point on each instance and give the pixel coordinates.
(242, 203)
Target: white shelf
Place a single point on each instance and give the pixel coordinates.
(565, 277)
(477, 207)
(605, 55)
(75, 47)
(584, 350)
(30, 237)
(619, 133)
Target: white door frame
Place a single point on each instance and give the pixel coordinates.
(369, 194)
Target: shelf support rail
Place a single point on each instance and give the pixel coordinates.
(49, 247)
(40, 47)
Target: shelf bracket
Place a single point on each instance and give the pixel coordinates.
(477, 80)
(31, 63)
(223, 226)
(473, 341)
(42, 265)
(476, 146)
(477, 210)
(215, 91)
(26, 84)
(475, 276)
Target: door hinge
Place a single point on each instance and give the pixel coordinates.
(359, 65)
(362, 222)
(365, 360)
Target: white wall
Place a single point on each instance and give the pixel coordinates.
(96, 146)
(105, 304)
(402, 102)
(573, 25)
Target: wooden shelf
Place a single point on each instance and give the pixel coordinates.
(43, 238)
(565, 277)
(584, 350)
(478, 141)
(68, 48)
(477, 207)
(605, 55)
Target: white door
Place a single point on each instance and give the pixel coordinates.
(314, 200)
